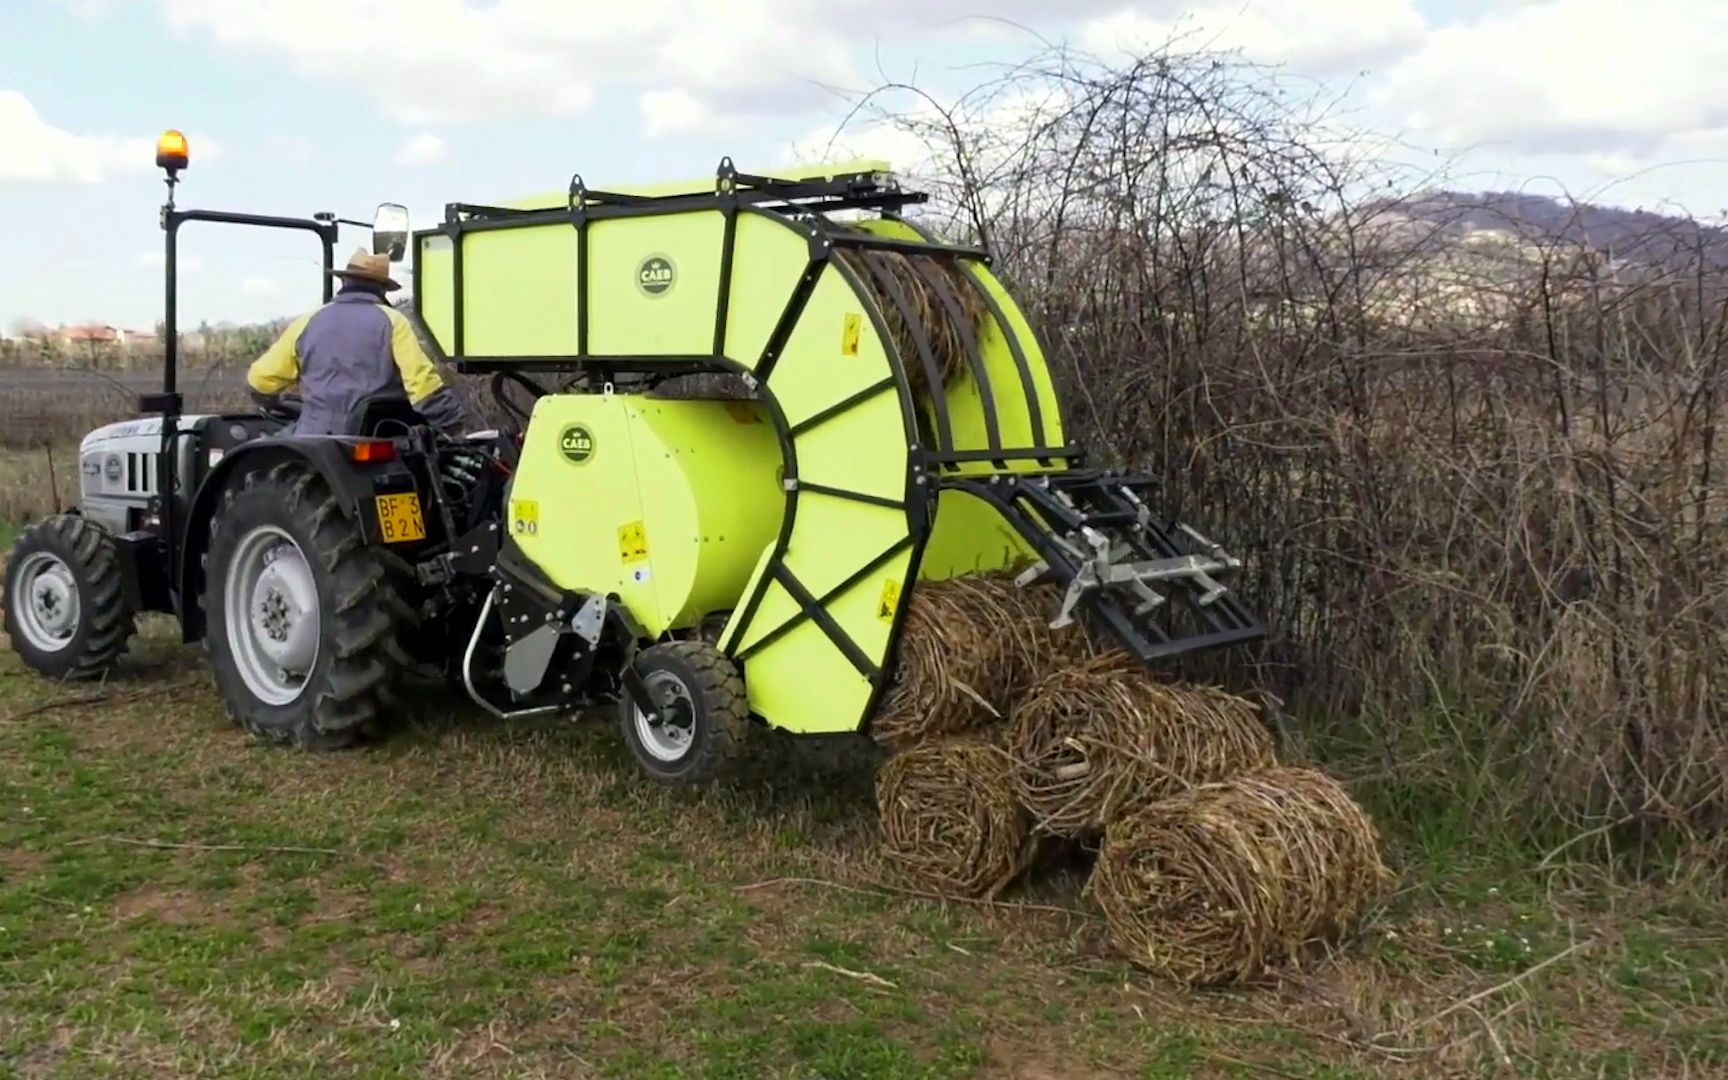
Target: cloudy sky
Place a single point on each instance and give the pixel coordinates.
(296, 106)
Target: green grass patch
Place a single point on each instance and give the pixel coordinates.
(471, 899)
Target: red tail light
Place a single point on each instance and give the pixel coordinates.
(372, 453)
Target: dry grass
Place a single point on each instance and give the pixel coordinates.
(1219, 883)
(950, 822)
(59, 406)
(37, 483)
(1096, 740)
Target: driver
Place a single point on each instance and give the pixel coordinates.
(354, 347)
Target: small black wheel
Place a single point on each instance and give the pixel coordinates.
(66, 610)
(305, 628)
(703, 718)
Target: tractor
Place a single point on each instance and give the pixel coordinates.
(739, 421)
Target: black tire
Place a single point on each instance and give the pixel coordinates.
(712, 704)
(349, 688)
(105, 621)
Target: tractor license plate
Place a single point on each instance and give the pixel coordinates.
(399, 520)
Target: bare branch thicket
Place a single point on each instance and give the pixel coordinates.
(1471, 454)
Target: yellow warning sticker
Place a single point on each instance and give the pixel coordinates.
(633, 542)
(525, 517)
(854, 329)
(890, 601)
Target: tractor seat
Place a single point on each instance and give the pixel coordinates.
(385, 416)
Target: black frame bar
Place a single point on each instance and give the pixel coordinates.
(814, 609)
(1044, 509)
(170, 403)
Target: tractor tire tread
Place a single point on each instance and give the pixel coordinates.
(89, 550)
(362, 628)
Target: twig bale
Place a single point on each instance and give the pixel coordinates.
(1095, 739)
(1226, 880)
(950, 822)
(969, 648)
(922, 281)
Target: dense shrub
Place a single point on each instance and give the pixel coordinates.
(1470, 450)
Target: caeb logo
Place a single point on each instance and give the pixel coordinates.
(576, 444)
(655, 276)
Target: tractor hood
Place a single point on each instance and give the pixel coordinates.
(145, 427)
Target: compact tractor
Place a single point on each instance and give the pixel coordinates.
(731, 447)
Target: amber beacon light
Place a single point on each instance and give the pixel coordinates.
(171, 152)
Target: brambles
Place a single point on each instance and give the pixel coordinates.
(1478, 437)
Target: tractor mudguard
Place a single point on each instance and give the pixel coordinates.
(356, 485)
(144, 571)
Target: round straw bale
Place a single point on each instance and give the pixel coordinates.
(1094, 740)
(949, 819)
(1221, 882)
(968, 649)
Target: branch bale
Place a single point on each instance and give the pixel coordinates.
(1222, 882)
(949, 819)
(1095, 740)
(968, 649)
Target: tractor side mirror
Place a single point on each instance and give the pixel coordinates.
(390, 231)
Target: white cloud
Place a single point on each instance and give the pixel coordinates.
(1603, 77)
(422, 149)
(259, 286)
(674, 112)
(902, 149)
(1311, 36)
(434, 59)
(442, 61)
(38, 152)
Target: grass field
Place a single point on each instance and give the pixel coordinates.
(469, 899)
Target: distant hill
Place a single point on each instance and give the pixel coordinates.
(1629, 237)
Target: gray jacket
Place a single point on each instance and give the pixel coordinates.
(354, 347)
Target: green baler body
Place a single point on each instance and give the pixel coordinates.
(803, 517)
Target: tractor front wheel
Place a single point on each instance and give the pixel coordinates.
(702, 714)
(66, 609)
(304, 629)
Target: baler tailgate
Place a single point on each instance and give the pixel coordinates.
(1159, 587)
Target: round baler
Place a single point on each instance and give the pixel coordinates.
(798, 520)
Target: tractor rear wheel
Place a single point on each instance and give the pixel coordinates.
(304, 628)
(703, 716)
(66, 609)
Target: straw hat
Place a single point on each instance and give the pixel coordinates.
(365, 266)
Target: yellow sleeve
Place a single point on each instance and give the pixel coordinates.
(419, 375)
(278, 369)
